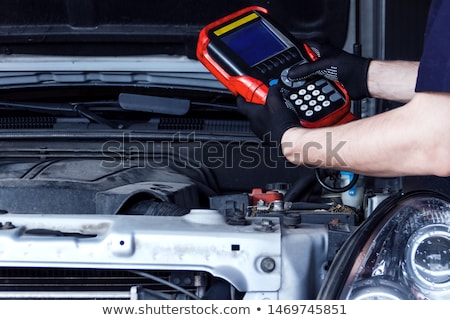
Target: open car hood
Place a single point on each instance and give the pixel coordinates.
(86, 27)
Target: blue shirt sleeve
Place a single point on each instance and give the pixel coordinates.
(434, 67)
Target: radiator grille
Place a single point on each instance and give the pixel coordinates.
(95, 283)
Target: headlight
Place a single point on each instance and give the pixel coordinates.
(402, 251)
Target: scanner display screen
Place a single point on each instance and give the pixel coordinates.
(254, 42)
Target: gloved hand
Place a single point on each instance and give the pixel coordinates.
(336, 65)
(269, 122)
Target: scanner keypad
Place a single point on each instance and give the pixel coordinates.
(314, 98)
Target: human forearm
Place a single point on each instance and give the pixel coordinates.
(410, 140)
(392, 80)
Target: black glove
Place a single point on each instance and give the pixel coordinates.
(269, 122)
(336, 65)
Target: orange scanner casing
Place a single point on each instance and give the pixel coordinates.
(251, 89)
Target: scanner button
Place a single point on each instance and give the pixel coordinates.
(304, 107)
(335, 97)
(327, 89)
(262, 69)
(326, 103)
(287, 57)
(294, 54)
(307, 97)
(286, 81)
(309, 113)
(273, 82)
(297, 84)
(321, 98)
(298, 102)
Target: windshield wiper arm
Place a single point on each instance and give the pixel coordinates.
(125, 101)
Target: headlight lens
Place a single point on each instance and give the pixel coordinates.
(427, 258)
(401, 252)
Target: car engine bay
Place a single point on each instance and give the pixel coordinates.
(190, 216)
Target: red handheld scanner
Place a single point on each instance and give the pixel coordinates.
(247, 51)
